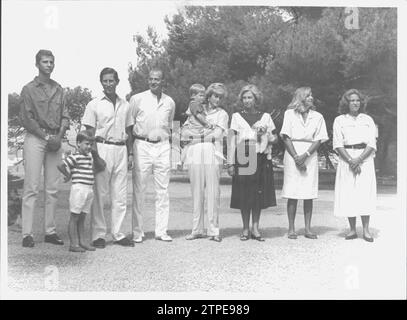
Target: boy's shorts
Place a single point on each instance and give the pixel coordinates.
(81, 197)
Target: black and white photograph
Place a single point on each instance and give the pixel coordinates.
(216, 150)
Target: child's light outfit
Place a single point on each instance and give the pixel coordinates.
(81, 168)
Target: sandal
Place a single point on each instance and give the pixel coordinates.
(258, 238)
(292, 236)
(244, 237)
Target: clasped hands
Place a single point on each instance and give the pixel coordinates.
(300, 161)
(54, 143)
(354, 165)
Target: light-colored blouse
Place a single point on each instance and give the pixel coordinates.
(313, 129)
(349, 130)
(247, 132)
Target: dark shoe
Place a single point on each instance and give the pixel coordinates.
(244, 237)
(351, 236)
(99, 243)
(368, 239)
(28, 242)
(125, 242)
(215, 238)
(258, 238)
(311, 236)
(54, 239)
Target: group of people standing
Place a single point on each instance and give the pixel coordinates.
(137, 134)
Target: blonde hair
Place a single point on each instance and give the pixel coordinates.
(196, 88)
(343, 107)
(299, 97)
(216, 87)
(258, 96)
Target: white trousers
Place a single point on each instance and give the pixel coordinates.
(35, 158)
(110, 184)
(151, 158)
(204, 174)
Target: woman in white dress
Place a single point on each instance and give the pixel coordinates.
(354, 138)
(303, 131)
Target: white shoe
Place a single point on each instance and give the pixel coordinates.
(138, 239)
(164, 237)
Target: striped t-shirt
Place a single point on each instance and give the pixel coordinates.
(81, 168)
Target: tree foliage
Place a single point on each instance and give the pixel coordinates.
(76, 100)
(279, 49)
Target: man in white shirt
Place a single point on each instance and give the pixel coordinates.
(108, 118)
(153, 114)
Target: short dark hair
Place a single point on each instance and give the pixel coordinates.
(109, 71)
(343, 107)
(42, 53)
(84, 135)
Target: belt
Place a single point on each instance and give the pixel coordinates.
(146, 139)
(102, 140)
(51, 132)
(355, 146)
(302, 140)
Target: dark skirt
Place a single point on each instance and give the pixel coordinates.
(254, 190)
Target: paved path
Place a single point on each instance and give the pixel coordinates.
(329, 267)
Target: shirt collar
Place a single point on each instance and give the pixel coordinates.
(311, 114)
(163, 95)
(102, 96)
(39, 82)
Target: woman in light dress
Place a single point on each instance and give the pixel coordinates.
(249, 161)
(204, 159)
(303, 131)
(354, 138)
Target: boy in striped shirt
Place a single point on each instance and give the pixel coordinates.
(79, 167)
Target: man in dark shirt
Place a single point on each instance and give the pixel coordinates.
(44, 115)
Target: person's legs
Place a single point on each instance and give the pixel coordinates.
(245, 213)
(73, 233)
(81, 233)
(141, 170)
(352, 225)
(51, 179)
(161, 172)
(34, 152)
(118, 187)
(197, 180)
(307, 218)
(212, 176)
(255, 221)
(291, 211)
(366, 233)
(101, 194)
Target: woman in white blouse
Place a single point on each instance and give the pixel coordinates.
(249, 161)
(354, 138)
(303, 131)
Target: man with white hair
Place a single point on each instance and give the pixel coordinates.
(153, 114)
